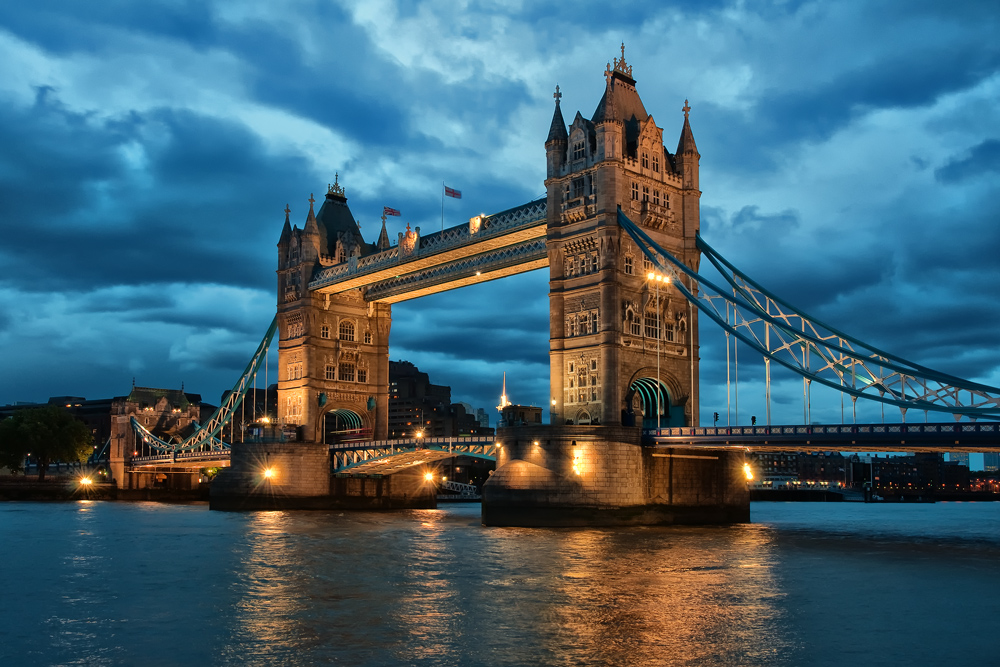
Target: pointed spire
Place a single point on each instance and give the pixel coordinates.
(312, 227)
(557, 130)
(286, 229)
(383, 237)
(503, 396)
(686, 144)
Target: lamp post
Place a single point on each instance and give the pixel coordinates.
(657, 278)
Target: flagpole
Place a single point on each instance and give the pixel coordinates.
(442, 206)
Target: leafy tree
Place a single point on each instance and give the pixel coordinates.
(48, 433)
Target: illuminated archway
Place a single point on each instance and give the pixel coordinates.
(646, 389)
(341, 424)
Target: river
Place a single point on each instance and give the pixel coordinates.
(106, 583)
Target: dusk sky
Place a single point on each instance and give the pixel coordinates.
(850, 162)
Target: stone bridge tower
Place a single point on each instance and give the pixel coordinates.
(615, 339)
(333, 354)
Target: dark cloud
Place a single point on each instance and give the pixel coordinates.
(980, 159)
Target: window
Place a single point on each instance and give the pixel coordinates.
(346, 330)
(571, 369)
(578, 150)
(645, 160)
(593, 262)
(666, 200)
(296, 329)
(362, 375)
(593, 362)
(645, 193)
(593, 393)
(571, 267)
(583, 396)
(635, 326)
(295, 371)
(668, 332)
(331, 372)
(347, 372)
(593, 326)
(656, 197)
(647, 265)
(656, 162)
(324, 331)
(577, 187)
(368, 338)
(635, 191)
(628, 265)
(652, 326)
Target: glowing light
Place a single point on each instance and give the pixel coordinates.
(269, 473)
(429, 477)
(420, 434)
(747, 471)
(86, 481)
(577, 467)
(265, 420)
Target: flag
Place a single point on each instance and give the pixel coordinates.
(452, 192)
(389, 211)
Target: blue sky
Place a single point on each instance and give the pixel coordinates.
(850, 162)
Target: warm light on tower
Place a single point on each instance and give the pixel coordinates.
(747, 471)
(269, 473)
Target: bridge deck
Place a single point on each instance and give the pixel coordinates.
(938, 437)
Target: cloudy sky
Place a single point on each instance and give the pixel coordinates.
(850, 162)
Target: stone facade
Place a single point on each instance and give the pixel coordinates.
(600, 475)
(333, 352)
(609, 322)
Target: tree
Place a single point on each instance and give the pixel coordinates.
(48, 434)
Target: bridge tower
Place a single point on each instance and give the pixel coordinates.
(618, 337)
(333, 354)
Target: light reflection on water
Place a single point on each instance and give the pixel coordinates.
(122, 584)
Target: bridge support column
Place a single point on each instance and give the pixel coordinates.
(601, 476)
(277, 475)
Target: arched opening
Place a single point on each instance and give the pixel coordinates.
(583, 418)
(343, 425)
(645, 390)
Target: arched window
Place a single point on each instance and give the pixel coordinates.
(347, 330)
(656, 162)
(645, 160)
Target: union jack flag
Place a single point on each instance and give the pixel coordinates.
(390, 211)
(452, 192)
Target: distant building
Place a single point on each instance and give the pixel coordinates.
(960, 458)
(520, 415)
(483, 418)
(416, 405)
(991, 461)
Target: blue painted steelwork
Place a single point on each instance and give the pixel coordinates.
(344, 456)
(816, 351)
(205, 436)
(939, 437)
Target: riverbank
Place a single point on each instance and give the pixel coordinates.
(69, 489)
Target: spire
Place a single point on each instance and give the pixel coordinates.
(286, 229)
(503, 396)
(311, 226)
(686, 144)
(557, 130)
(335, 190)
(383, 237)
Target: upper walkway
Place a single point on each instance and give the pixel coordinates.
(485, 248)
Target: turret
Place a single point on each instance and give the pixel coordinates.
(555, 144)
(687, 153)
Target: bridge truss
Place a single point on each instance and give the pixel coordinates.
(205, 438)
(389, 456)
(818, 352)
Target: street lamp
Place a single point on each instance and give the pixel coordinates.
(658, 278)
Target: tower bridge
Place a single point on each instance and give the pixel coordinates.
(618, 231)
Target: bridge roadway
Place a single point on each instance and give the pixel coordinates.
(175, 460)
(911, 437)
(384, 457)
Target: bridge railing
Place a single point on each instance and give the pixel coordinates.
(417, 443)
(827, 429)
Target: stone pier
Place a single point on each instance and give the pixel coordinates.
(601, 476)
(300, 478)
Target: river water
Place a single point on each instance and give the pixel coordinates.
(105, 583)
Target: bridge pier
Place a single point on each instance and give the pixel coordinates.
(296, 475)
(601, 476)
